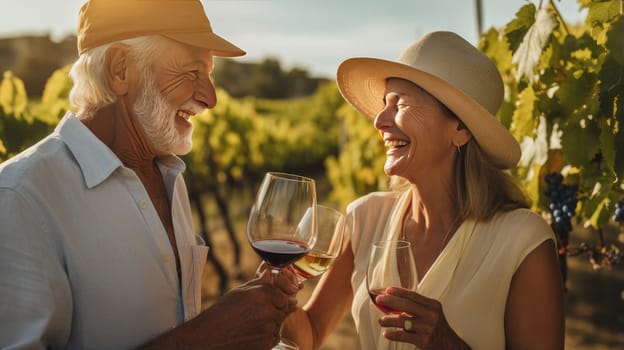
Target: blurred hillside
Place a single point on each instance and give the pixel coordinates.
(34, 58)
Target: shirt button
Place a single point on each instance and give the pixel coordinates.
(143, 204)
(166, 258)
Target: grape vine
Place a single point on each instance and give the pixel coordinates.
(565, 103)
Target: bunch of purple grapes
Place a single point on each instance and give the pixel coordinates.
(613, 256)
(562, 200)
(619, 211)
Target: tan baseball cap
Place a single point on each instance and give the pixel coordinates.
(105, 21)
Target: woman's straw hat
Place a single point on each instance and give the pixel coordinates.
(453, 71)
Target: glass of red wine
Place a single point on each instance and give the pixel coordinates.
(329, 237)
(391, 264)
(282, 221)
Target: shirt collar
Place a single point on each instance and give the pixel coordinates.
(95, 159)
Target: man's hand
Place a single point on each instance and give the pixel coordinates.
(247, 317)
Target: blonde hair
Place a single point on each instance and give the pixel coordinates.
(90, 91)
(482, 189)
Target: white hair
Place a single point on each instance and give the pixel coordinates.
(90, 90)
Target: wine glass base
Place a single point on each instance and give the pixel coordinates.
(285, 344)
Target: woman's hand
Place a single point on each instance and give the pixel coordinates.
(422, 322)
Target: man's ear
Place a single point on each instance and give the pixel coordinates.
(116, 68)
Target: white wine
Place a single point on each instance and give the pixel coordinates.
(313, 264)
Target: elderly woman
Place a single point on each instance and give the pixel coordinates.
(487, 269)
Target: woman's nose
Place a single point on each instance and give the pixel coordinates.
(384, 118)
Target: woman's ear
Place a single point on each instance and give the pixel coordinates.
(462, 135)
(116, 68)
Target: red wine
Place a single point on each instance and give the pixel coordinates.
(373, 293)
(280, 252)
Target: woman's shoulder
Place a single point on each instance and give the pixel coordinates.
(521, 227)
(523, 217)
(373, 200)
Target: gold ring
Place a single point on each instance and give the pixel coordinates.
(408, 325)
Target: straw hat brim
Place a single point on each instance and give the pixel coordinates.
(362, 82)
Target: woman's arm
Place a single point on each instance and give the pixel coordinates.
(534, 314)
(309, 326)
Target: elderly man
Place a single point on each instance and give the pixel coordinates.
(97, 247)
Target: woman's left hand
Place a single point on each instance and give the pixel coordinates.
(422, 322)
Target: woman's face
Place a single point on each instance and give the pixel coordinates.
(417, 131)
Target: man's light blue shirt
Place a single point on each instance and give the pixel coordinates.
(85, 262)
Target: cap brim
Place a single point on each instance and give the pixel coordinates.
(207, 40)
(362, 82)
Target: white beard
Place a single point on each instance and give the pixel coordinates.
(157, 117)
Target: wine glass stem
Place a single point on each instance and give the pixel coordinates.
(274, 273)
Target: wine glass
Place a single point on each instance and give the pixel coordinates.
(329, 237)
(391, 264)
(282, 221)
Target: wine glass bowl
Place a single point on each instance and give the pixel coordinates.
(329, 237)
(282, 220)
(391, 264)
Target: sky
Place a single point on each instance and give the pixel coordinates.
(315, 35)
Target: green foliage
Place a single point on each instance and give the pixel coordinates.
(529, 51)
(54, 101)
(241, 139)
(18, 128)
(359, 167)
(13, 99)
(567, 98)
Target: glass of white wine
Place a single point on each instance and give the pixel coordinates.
(329, 237)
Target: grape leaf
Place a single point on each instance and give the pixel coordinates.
(528, 53)
(615, 40)
(607, 144)
(496, 49)
(576, 92)
(523, 122)
(579, 144)
(611, 80)
(517, 28)
(602, 12)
